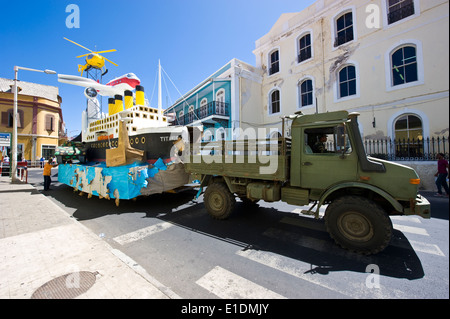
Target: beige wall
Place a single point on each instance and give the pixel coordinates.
(370, 53)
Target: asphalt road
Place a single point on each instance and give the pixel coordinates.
(269, 252)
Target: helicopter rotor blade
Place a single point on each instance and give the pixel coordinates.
(80, 56)
(113, 50)
(109, 61)
(79, 45)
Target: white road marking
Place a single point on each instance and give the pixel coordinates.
(412, 230)
(142, 233)
(353, 289)
(426, 248)
(407, 219)
(228, 285)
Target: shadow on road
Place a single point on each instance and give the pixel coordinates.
(259, 229)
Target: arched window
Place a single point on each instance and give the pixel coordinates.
(347, 81)
(306, 93)
(204, 107)
(344, 29)
(404, 65)
(274, 62)
(409, 137)
(191, 113)
(408, 127)
(220, 102)
(274, 102)
(304, 46)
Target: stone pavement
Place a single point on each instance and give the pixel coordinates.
(45, 253)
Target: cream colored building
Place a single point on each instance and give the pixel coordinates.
(389, 62)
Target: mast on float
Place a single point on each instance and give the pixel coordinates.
(160, 112)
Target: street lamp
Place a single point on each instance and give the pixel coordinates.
(15, 118)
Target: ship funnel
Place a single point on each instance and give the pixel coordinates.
(140, 98)
(119, 104)
(128, 99)
(111, 106)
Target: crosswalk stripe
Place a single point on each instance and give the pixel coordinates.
(426, 248)
(228, 285)
(142, 233)
(412, 230)
(407, 218)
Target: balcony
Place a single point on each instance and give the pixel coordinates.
(211, 109)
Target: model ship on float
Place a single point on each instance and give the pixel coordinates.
(147, 127)
(129, 152)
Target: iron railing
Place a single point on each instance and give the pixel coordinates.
(408, 149)
(212, 108)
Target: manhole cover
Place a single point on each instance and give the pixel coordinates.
(67, 286)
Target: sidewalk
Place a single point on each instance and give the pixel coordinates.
(45, 253)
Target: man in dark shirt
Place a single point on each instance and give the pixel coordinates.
(319, 146)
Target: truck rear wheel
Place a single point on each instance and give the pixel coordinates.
(219, 201)
(358, 224)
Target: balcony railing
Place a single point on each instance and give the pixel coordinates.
(212, 108)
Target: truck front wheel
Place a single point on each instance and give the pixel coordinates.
(358, 224)
(219, 201)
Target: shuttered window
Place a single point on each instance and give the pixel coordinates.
(49, 122)
(8, 118)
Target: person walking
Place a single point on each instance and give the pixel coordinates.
(47, 173)
(441, 174)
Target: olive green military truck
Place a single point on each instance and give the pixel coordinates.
(323, 163)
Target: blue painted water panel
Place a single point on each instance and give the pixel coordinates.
(124, 182)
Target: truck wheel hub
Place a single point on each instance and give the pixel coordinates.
(355, 226)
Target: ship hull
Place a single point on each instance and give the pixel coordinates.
(154, 144)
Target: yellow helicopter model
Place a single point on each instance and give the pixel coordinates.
(93, 59)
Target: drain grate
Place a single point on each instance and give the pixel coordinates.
(67, 286)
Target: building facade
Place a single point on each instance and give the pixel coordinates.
(386, 59)
(40, 121)
(216, 103)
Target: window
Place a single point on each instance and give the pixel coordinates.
(404, 65)
(274, 102)
(344, 29)
(347, 81)
(204, 107)
(304, 46)
(274, 62)
(399, 9)
(408, 127)
(220, 102)
(191, 113)
(306, 93)
(48, 151)
(326, 140)
(8, 118)
(408, 137)
(49, 122)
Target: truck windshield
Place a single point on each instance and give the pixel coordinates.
(330, 139)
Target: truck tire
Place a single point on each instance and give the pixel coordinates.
(219, 201)
(358, 224)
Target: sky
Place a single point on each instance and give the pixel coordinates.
(191, 38)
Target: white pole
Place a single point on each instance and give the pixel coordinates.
(159, 93)
(13, 168)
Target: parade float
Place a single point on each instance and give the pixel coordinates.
(131, 151)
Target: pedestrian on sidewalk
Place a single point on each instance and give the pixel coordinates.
(441, 174)
(47, 173)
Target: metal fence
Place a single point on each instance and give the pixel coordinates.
(408, 149)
